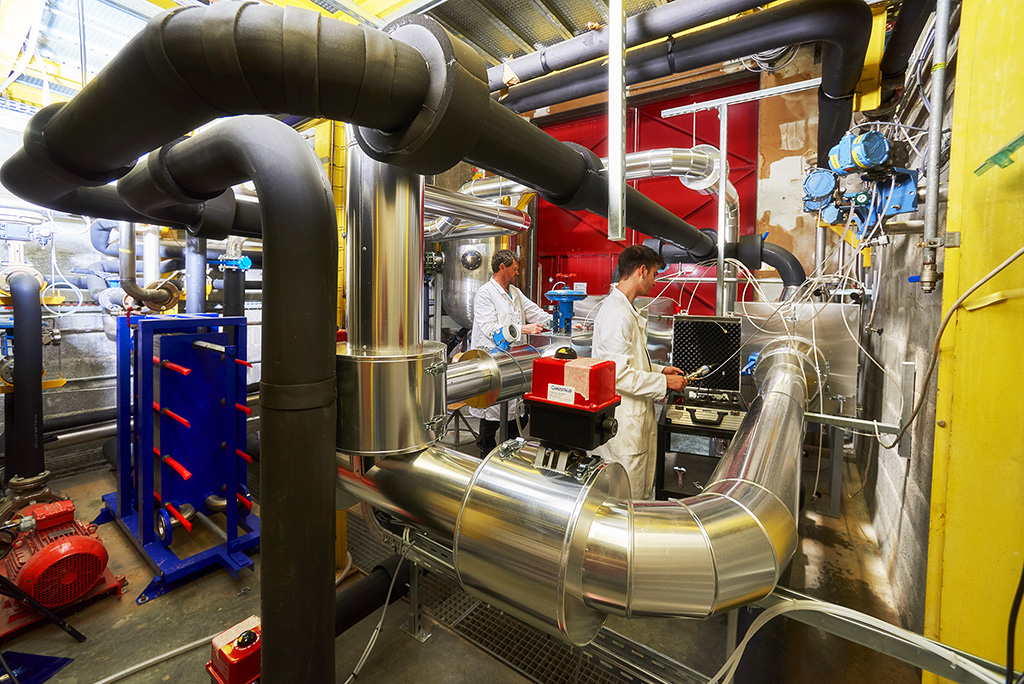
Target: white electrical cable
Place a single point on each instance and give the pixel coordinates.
(340, 577)
(380, 624)
(938, 339)
(916, 640)
(157, 660)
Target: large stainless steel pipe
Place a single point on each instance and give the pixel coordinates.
(460, 207)
(560, 550)
(390, 381)
(696, 168)
(484, 378)
(385, 257)
(726, 546)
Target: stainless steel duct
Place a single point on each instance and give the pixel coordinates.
(482, 378)
(562, 549)
(456, 207)
(391, 381)
(696, 168)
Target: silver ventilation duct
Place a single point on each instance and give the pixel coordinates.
(561, 550)
(454, 208)
(696, 168)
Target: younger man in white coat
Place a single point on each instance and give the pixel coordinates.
(620, 335)
(499, 303)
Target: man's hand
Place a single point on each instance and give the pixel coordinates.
(532, 328)
(674, 378)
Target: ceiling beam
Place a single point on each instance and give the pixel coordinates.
(414, 7)
(486, 54)
(564, 30)
(503, 28)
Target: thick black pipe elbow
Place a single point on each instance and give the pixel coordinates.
(26, 460)
(359, 601)
(842, 26)
(750, 250)
(785, 262)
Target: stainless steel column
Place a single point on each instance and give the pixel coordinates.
(384, 258)
(195, 275)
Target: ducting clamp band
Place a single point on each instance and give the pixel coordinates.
(310, 395)
(592, 191)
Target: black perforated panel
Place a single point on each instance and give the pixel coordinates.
(708, 341)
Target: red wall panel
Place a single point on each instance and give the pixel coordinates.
(576, 242)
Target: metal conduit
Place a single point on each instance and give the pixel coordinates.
(455, 207)
(573, 550)
(696, 168)
(161, 297)
(485, 377)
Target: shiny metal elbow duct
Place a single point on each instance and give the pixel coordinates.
(453, 208)
(727, 546)
(482, 378)
(561, 550)
(696, 169)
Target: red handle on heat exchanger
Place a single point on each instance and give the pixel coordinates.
(171, 414)
(244, 409)
(244, 455)
(245, 502)
(169, 365)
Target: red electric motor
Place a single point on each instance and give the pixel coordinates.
(59, 561)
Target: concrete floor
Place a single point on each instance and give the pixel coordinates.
(837, 561)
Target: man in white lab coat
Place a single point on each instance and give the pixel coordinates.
(499, 303)
(620, 335)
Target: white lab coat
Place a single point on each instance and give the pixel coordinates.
(494, 308)
(620, 335)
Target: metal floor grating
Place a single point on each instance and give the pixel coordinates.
(530, 652)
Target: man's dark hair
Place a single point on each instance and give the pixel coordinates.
(635, 256)
(503, 256)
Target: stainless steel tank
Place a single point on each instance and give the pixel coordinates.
(467, 266)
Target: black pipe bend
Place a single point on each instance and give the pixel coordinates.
(27, 459)
(842, 26)
(749, 249)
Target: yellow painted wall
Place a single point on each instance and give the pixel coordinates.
(976, 543)
(330, 147)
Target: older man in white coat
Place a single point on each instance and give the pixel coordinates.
(620, 335)
(499, 303)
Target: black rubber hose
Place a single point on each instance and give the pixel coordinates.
(297, 392)
(234, 292)
(359, 601)
(785, 262)
(10, 436)
(750, 250)
(660, 22)
(78, 420)
(843, 26)
(27, 459)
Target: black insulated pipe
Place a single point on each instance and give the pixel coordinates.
(842, 26)
(194, 64)
(297, 392)
(660, 22)
(359, 601)
(749, 249)
(26, 460)
(905, 32)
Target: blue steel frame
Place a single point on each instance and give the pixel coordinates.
(210, 457)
